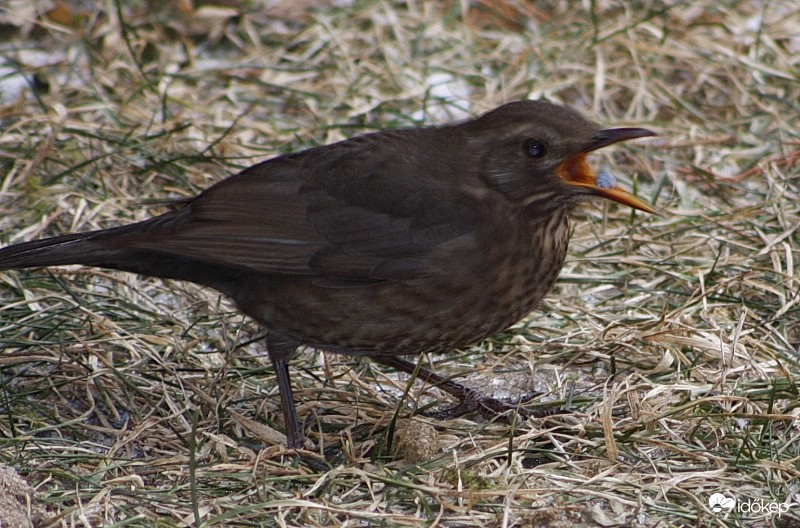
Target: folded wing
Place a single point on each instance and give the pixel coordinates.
(311, 213)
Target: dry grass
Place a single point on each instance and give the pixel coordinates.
(673, 340)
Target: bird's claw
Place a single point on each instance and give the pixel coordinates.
(490, 408)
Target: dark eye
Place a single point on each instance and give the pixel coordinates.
(534, 148)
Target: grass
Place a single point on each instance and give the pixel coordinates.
(672, 340)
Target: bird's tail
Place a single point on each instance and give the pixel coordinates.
(78, 248)
(119, 248)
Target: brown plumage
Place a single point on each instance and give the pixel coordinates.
(387, 244)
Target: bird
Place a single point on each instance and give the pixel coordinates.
(392, 243)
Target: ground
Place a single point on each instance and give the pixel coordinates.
(671, 343)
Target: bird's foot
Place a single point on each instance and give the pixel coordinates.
(470, 400)
(488, 407)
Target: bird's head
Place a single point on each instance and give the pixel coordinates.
(535, 152)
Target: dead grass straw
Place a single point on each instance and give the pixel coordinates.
(673, 340)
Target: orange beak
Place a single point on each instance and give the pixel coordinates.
(576, 171)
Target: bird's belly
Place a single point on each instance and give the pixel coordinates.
(437, 313)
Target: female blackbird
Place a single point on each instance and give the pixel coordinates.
(398, 242)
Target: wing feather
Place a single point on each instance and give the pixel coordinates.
(356, 211)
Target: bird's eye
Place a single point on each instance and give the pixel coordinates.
(534, 148)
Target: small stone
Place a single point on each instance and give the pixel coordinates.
(417, 442)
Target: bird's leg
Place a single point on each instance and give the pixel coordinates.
(470, 400)
(279, 353)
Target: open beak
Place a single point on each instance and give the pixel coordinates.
(576, 171)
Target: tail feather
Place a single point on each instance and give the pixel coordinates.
(78, 248)
(106, 249)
